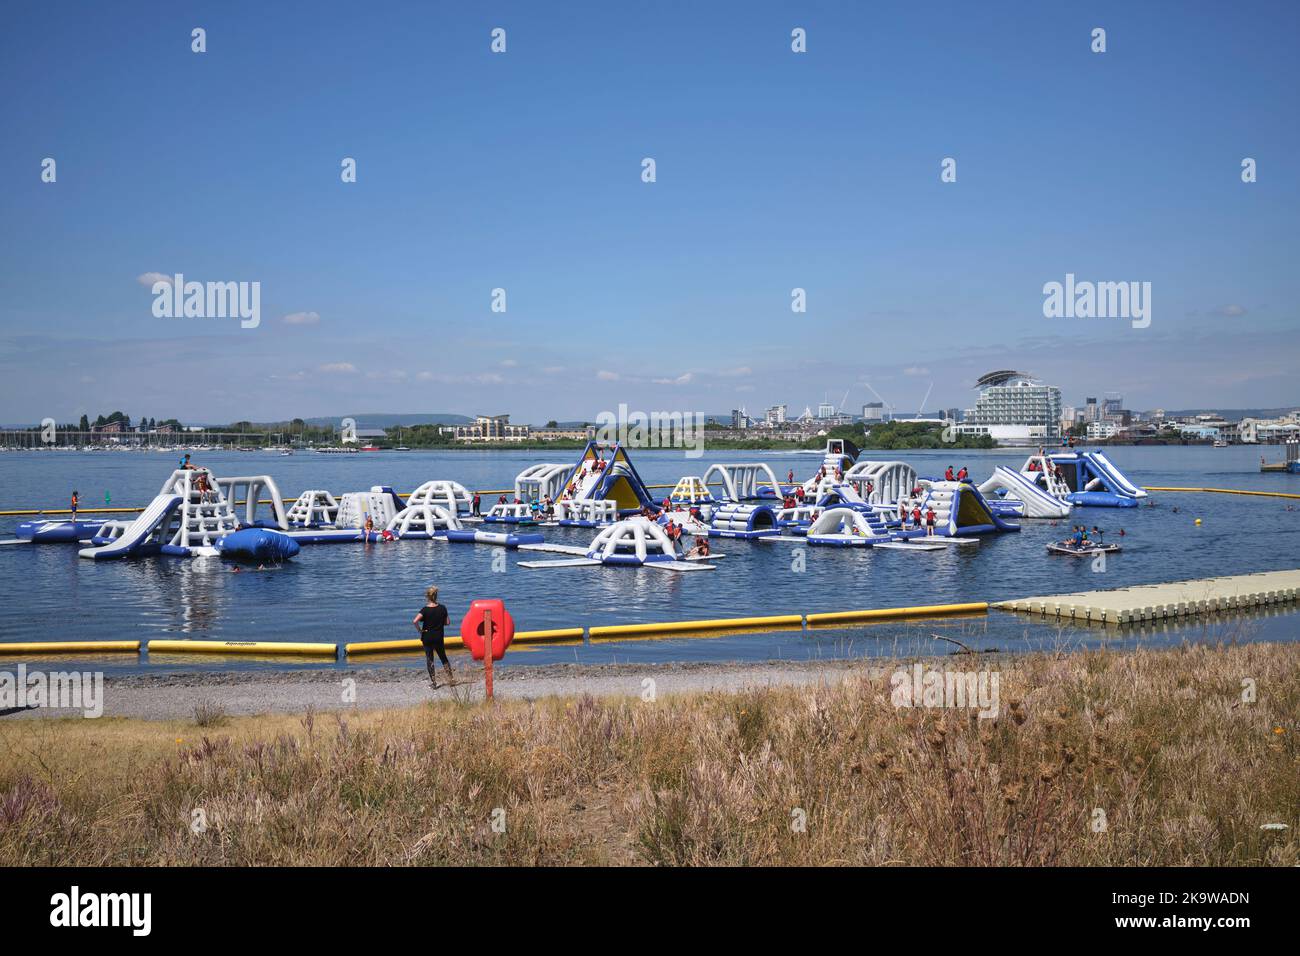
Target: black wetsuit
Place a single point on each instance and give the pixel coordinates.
(432, 622)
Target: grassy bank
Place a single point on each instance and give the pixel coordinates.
(1161, 743)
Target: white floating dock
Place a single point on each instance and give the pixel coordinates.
(1153, 602)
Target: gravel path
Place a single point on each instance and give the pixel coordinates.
(174, 696)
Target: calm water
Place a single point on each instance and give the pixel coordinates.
(350, 592)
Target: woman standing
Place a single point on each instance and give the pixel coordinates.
(430, 622)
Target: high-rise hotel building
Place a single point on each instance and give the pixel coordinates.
(1014, 409)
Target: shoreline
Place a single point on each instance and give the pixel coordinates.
(174, 696)
(178, 696)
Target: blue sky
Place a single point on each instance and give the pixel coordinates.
(523, 171)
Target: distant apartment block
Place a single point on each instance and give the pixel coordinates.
(489, 428)
(1100, 431)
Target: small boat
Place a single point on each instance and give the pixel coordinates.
(370, 448)
(401, 448)
(1079, 550)
(286, 453)
(1220, 443)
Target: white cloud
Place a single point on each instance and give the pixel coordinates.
(916, 370)
(302, 318)
(508, 363)
(740, 370)
(338, 367)
(607, 376)
(679, 380)
(1232, 311)
(149, 278)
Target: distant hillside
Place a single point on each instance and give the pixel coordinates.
(391, 420)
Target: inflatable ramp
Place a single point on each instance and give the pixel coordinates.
(960, 509)
(1037, 502)
(596, 477)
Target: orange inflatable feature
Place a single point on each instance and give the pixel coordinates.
(503, 628)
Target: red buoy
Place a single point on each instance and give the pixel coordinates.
(472, 630)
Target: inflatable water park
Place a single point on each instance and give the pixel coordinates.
(847, 502)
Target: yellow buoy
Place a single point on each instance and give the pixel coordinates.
(1198, 520)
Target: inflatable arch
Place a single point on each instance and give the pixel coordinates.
(423, 521)
(743, 481)
(632, 541)
(541, 481)
(251, 490)
(847, 527)
(890, 480)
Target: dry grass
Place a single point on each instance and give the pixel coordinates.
(1161, 742)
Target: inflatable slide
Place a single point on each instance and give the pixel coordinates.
(1035, 501)
(1093, 481)
(146, 535)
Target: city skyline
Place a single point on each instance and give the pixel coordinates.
(523, 171)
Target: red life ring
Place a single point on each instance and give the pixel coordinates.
(503, 628)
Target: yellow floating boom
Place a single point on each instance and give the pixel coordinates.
(677, 627)
(894, 613)
(454, 640)
(71, 647)
(275, 648)
(1229, 491)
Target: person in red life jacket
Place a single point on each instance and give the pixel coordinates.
(947, 475)
(501, 500)
(798, 493)
(789, 477)
(1033, 465)
(961, 475)
(701, 548)
(667, 504)
(929, 522)
(477, 506)
(76, 500)
(916, 516)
